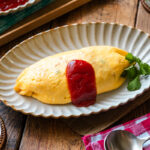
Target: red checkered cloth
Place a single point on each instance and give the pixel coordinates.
(139, 127)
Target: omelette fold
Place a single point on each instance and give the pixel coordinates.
(46, 79)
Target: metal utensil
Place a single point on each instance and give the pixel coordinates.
(123, 140)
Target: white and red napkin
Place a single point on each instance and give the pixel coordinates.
(139, 127)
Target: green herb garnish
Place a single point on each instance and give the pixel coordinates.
(133, 73)
(134, 84)
(130, 58)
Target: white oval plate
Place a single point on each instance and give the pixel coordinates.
(20, 7)
(63, 39)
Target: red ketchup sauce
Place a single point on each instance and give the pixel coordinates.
(7, 4)
(81, 82)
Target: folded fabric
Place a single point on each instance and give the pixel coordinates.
(139, 127)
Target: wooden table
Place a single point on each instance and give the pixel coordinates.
(31, 133)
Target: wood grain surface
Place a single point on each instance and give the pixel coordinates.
(42, 134)
(3, 134)
(143, 19)
(44, 15)
(52, 134)
(14, 122)
(99, 11)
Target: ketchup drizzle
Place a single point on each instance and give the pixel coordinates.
(81, 82)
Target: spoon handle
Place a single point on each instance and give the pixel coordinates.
(145, 139)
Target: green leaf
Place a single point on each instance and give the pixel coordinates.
(144, 69)
(134, 84)
(130, 58)
(132, 72)
(138, 60)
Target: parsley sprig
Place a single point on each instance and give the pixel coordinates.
(133, 72)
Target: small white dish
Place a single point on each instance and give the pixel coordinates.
(66, 38)
(20, 7)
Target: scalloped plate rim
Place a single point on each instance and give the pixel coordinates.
(82, 114)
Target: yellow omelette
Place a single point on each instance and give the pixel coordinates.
(46, 79)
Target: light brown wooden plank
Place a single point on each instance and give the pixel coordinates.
(102, 10)
(143, 19)
(49, 134)
(52, 11)
(14, 122)
(8, 46)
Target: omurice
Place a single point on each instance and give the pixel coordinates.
(75, 76)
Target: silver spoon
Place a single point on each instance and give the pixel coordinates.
(123, 140)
